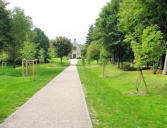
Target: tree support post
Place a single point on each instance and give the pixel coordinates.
(29, 66)
(144, 81)
(141, 76)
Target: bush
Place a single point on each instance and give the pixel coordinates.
(128, 67)
(83, 60)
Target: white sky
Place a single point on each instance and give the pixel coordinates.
(70, 18)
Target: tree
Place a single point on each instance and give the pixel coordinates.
(93, 52)
(52, 53)
(43, 42)
(41, 55)
(83, 50)
(107, 31)
(104, 59)
(21, 24)
(153, 45)
(149, 50)
(83, 54)
(5, 26)
(3, 56)
(28, 51)
(140, 14)
(89, 37)
(63, 47)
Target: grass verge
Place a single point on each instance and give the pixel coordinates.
(113, 103)
(14, 91)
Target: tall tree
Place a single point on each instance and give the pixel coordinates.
(107, 31)
(63, 47)
(21, 24)
(5, 26)
(43, 42)
(89, 37)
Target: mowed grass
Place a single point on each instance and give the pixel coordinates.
(14, 91)
(65, 60)
(113, 103)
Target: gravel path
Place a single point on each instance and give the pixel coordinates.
(60, 104)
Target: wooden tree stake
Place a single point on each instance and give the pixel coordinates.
(144, 81)
(29, 66)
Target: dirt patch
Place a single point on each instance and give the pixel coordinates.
(131, 93)
(151, 71)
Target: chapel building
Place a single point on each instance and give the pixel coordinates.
(76, 51)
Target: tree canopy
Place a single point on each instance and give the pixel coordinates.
(89, 37)
(127, 28)
(63, 46)
(42, 41)
(93, 52)
(5, 27)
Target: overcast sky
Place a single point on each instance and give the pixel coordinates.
(70, 18)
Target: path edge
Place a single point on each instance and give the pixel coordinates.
(84, 101)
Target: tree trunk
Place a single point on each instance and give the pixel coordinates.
(61, 58)
(119, 57)
(155, 71)
(147, 65)
(113, 58)
(138, 83)
(104, 67)
(165, 65)
(14, 57)
(119, 63)
(122, 65)
(162, 61)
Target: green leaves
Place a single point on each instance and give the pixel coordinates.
(63, 46)
(93, 52)
(89, 37)
(17, 36)
(41, 55)
(28, 51)
(21, 24)
(5, 26)
(3, 56)
(52, 53)
(104, 56)
(151, 47)
(43, 42)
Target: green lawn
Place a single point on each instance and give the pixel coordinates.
(14, 91)
(65, 60)
(113, 103)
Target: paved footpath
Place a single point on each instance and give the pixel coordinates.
(60, 104)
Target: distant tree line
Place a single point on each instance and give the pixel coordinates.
(132, 32)
(19, 39)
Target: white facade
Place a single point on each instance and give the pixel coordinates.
(76, 51)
